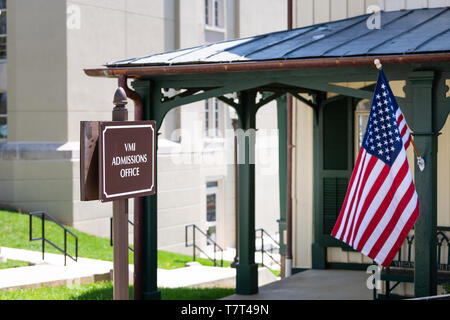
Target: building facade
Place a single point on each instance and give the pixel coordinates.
(49, 44)
(305, 217)
(39, 165)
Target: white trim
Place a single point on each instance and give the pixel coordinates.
(103, 164)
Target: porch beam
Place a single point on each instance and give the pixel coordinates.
(304, 100)
(228, 101)
(268, 99)
(327, 87)
(239, 86)
(425, 265)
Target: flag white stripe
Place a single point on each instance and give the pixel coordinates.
(352, 190)
(379, 197)
(367, 187)
(387, 215)
(353, 209)
(406, 214)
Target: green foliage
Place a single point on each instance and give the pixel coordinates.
(104, 291)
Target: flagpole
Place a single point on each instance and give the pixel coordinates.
(420, 161)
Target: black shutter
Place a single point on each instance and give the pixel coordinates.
(337, 139)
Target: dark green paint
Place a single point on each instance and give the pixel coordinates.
(247, 269)
(425, 265)
(150, 290)
(282, 168)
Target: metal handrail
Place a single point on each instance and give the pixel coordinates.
(44, 214)
(262, 250)
(195, 246)
(111, 232)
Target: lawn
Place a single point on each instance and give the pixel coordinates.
(14, 233)
(13, 264)
(104, 291)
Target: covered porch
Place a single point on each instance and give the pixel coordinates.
(308, 63)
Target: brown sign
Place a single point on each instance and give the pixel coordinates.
(126, 159)
(89, 160)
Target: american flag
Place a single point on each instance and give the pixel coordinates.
(381, 204)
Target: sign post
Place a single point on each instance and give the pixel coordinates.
(124, 154)
(120, 218)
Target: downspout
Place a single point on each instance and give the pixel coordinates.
(288, 265)
(138, 202)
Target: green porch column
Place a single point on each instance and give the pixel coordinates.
(247, 269)
(150, 210)
(282, 172)
(318, 250)
(425, 268)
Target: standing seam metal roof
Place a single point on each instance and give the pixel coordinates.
(401, 32)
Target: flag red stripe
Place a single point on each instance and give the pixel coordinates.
(392, 222)
(355, 195)
(369, 167)
(339, 220)
(383, 206)
(408, 226)
(373, 192)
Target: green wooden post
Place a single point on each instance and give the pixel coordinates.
(318, 251)
(282, 165)
(247, 269)
(425, 268)
(149, 96)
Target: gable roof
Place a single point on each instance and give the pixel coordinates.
(404, 32)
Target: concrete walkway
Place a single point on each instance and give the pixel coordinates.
(315, 285)
(52, 272)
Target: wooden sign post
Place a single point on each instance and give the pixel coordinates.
(124, 153)
(120, 217)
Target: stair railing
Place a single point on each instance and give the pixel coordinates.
(195, 246)
(44, 216)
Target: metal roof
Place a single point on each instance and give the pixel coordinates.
(402, 32)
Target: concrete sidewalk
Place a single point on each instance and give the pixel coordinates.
(315, 285)
(52, 272)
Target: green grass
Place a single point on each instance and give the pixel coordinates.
(104, 291)
(13, 264)
(14, 233)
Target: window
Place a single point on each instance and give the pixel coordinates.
(212, 118)
(362, 112)
(216, 116)
(214, 13)
(206, 117)
(3, 29)
(207, 12)
(211, 210)
(3, 114)
(3, 122)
